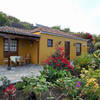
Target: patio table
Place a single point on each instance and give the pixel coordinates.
(15, 59)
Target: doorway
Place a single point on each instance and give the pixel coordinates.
(67, 50)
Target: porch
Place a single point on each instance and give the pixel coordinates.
(15, 42)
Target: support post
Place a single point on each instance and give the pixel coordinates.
(38, 52)
(9, 67)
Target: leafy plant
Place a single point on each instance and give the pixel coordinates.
(5, 82)
(36, 84)
(52, 74)
(96, 58)
(97, 45)
(84, 61)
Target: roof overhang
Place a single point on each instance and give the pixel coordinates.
(63, 35)
(18, 36)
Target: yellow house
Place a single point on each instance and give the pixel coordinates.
(39, 43)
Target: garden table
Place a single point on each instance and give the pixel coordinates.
(15, 59)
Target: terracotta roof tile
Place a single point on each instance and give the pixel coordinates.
(47, 30)
(13, 30)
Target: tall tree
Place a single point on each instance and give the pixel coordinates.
(3, 19)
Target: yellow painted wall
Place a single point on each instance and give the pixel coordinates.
(46, 51)
(26, 47)
(1, 50)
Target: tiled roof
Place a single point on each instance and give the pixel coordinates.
(43, 29)
(17, 31)
(47, 30)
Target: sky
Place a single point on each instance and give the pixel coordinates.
(78, 15)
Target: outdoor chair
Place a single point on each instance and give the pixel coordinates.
(28, 58)
(22, 61)
(5, 61)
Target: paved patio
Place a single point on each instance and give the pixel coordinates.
(16, 73)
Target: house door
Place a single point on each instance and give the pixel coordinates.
(67, 50)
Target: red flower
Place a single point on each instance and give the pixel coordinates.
(72, 67)
(63, 53)
(63, 61)
(58, 64)
(48, 62)
(10, 90)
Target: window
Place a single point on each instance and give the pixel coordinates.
(13, 45)
(50, 43)
(78, 49)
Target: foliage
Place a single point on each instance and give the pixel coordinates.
(58, 60)
(66, 30)
(52, 74)
(97, 38)
(64, 80)
(7, 89)
(5, 82)
(13, 22)
(59, 28)
(10, 92)
(84, 61)
(92, 87)
(70, 85)
(3, 19)
(36, 84)
(90, 73)
(56, 27)
(97, 45)
(96, 58)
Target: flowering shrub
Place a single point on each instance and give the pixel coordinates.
(10, 91)
(58, 60)
(92, 86)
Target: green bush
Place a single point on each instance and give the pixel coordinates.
(96, 58)
(82, 62)
(97, 45)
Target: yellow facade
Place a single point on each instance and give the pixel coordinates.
(29, 47)
(45, 51)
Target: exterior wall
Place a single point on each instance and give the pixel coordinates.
(27, 47)
(1, 50)
(46, 51)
